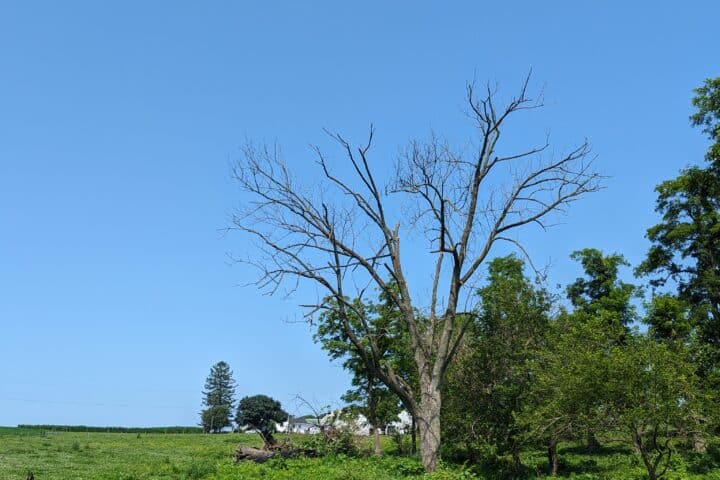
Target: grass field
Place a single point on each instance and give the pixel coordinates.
(122, 456)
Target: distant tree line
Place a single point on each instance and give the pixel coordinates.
(84, 428)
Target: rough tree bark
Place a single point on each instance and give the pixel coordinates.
(376, 441)
(428, 415)
(339, 235)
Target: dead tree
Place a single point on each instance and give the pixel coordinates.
(347, 233)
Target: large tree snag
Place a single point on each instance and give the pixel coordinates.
(340, 234)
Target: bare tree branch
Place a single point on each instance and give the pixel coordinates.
(339, 235)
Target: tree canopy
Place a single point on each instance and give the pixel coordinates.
(261, 413)
(488, 385)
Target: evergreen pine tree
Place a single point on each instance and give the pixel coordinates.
(219, 398)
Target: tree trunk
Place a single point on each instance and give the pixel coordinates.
(413, 435)
(592, 442)
(641, 449)
(553, 457)
(268, 439)
(428, 418)
(517, 463)
(378, 446)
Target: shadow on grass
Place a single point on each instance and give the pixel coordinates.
(602, 451)
(703, 463)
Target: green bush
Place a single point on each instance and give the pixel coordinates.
(337, 442)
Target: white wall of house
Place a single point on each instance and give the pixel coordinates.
(357, 424)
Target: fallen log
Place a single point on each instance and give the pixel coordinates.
(258, 455)
(255, 454)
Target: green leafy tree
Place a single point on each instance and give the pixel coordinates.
(649, 394)
(585, 380)
(566, 397)
(215, 418)
(668, 318)
(684, 255)
(261, 413)
(686, 243)
(686, 246)
(488, 385)
(707, 102)
(219, 392)
(600, 292)
(369, 395)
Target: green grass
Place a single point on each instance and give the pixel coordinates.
(116, 456)
(121, 456)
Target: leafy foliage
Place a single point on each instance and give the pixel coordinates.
(261, 413)
(215, 418)
(569, 380)
(600, 293)
(488, 385)
(685, 255)
(686, 245)
(369, 395)
(642, 389)
(567, 397)
(707, 102)
(668, 318)
(649, 392)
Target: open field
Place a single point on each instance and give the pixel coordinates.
(121, 456)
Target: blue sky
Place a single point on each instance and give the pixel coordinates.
(119, 122)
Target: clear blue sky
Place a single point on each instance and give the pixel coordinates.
(119, 120)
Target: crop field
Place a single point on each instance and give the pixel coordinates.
(146, 456)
